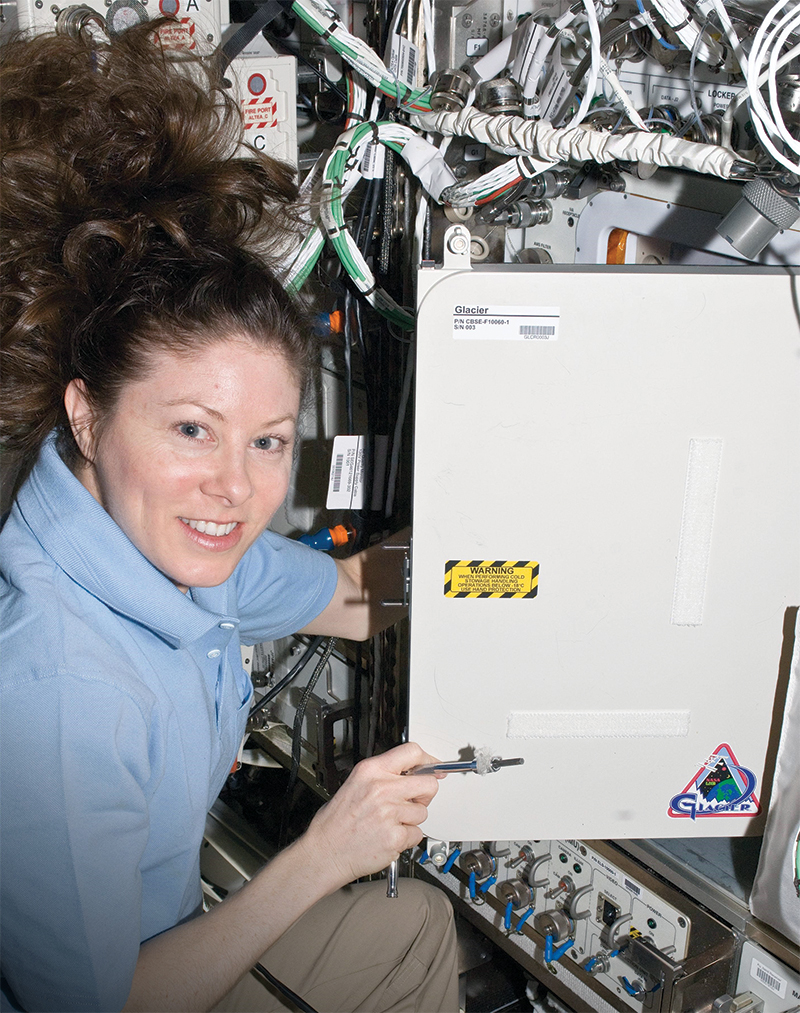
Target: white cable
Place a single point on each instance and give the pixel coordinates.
(529, 35)
(777, 113)
(675, 14)
(530, 85)
(622, 95)
(767, 43)
(733, 105)
(496, 60)
(513, 135)
(430, 50)
(594, 69)
(492, 184)
(730, 32)
(419, 227)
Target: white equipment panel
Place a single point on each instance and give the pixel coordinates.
(197, 25)
(266, 87)
(606, 543)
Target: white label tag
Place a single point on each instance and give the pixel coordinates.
(556, 90)
(768, 977)
(474, 152)
(477, 47)
(506, 323)
(346, 482)
(403, 60)
(373, 161)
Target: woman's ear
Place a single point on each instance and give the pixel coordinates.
(81, 417)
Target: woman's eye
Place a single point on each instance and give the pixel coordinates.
(266, 443)
(191, 430)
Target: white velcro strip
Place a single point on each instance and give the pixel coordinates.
(597, 724)
(694, 549)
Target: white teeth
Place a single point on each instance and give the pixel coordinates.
(210, 528)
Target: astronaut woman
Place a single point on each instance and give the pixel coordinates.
(153, 373)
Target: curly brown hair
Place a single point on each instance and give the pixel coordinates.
(133, 217)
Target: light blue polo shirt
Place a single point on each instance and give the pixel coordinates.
(122, 705)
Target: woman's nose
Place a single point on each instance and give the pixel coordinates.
(229, 479)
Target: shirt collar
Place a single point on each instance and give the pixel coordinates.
(78, 534)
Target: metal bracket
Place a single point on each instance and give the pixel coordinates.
(457, 244)
(406, 577)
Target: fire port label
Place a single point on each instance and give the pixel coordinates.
(721, 787)
(491, 578)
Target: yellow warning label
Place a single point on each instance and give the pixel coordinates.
(491, 578)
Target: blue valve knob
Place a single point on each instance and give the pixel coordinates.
(423, 858)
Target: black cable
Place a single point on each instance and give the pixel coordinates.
(297, 738)
(292, 674)
(358, 677)
(348, 361)
(373, 212)
(358, 232)
(293, 997)
(300, 710)
(274, 40)
(264, 14)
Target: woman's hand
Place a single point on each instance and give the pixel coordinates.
(373, 817)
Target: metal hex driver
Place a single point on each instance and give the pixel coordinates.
(482, 764)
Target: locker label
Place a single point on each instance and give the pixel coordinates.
(506, 323)
(491, 578)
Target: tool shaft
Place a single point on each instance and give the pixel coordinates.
(391, 879)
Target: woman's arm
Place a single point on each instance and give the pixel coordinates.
(372, 818)
(365, 579)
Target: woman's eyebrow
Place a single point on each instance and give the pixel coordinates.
(177, 402)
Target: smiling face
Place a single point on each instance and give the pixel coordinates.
(196, 456)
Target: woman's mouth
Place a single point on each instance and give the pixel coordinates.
(210, 527)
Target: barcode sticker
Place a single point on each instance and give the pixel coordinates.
(374, 160)
(346, 480)
(337, 472)
(403, 60)
(536, 331)
(768, 977)
(506, 323)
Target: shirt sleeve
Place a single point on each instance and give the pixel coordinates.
(75, 826)
(281, 585)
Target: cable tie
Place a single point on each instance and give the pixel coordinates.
(368, 292)
(527, 166)
(678, 28)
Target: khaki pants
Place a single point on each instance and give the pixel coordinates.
(359, 952)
